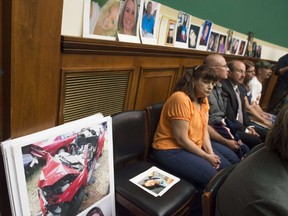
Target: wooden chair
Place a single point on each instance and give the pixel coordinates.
(130, 136)
(210, 192)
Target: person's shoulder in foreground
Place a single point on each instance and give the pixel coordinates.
(258, 185)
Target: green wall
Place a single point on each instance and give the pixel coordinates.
(266, 18)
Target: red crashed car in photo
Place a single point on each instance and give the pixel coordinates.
(61, 187)
(53, 145)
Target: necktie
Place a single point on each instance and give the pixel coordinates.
(240, 112)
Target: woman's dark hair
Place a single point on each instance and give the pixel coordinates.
(276, 140)
(94, 211)
(186, 82)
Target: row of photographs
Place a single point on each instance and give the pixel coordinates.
(140, 21)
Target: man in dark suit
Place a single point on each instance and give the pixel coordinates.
(235, 109)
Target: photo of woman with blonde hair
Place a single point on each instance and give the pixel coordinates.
(107, 20)
(128, 18)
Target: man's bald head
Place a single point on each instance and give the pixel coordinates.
(214, 59)
(217, 62)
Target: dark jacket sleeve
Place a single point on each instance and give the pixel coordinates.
(232, 106)
(282, 62)
(246, 119)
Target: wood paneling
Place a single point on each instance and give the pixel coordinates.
(155, 85)
(30, 89)
(156, 68)
(267, 91)
(87, 92)
(32, 70)
(5, 12)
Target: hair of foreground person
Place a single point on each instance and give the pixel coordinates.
(276, 140)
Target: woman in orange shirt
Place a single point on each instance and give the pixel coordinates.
(181, 142)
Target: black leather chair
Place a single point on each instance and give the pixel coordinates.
(153, 115)
(210, 192)
(254, 149)
(130, 137)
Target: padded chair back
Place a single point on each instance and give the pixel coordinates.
(211, 190)
(153, 114)
(255, 148)
(129, 135)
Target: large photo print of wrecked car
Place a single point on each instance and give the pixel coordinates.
(67, 174)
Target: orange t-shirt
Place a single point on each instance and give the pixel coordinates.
(179, 106)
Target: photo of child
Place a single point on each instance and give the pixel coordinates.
(170, 32)
(100, 19)
(193, 36)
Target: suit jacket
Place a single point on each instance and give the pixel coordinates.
(217, 105)
(232, 105)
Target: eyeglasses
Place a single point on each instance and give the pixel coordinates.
(250, 71)
(240, 71)
(224, 66)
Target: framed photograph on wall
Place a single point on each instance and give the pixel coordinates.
(235, 45)
(249, 47)
(204, 35)
(254, 49)
(65, 170)
(170, 32)
(167, 32)
(193, 36)
(149, 21)
(258, 51)
(213, 41)
(242, 47)
(100, 19)
(229, 42)
(128, 23)
(222, 43)
(182, 29)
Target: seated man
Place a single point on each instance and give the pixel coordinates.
(228, 142)
(263, 72)
(252, 112)
(258, 185)
(235, 108)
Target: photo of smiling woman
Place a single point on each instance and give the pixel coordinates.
(128, 17)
